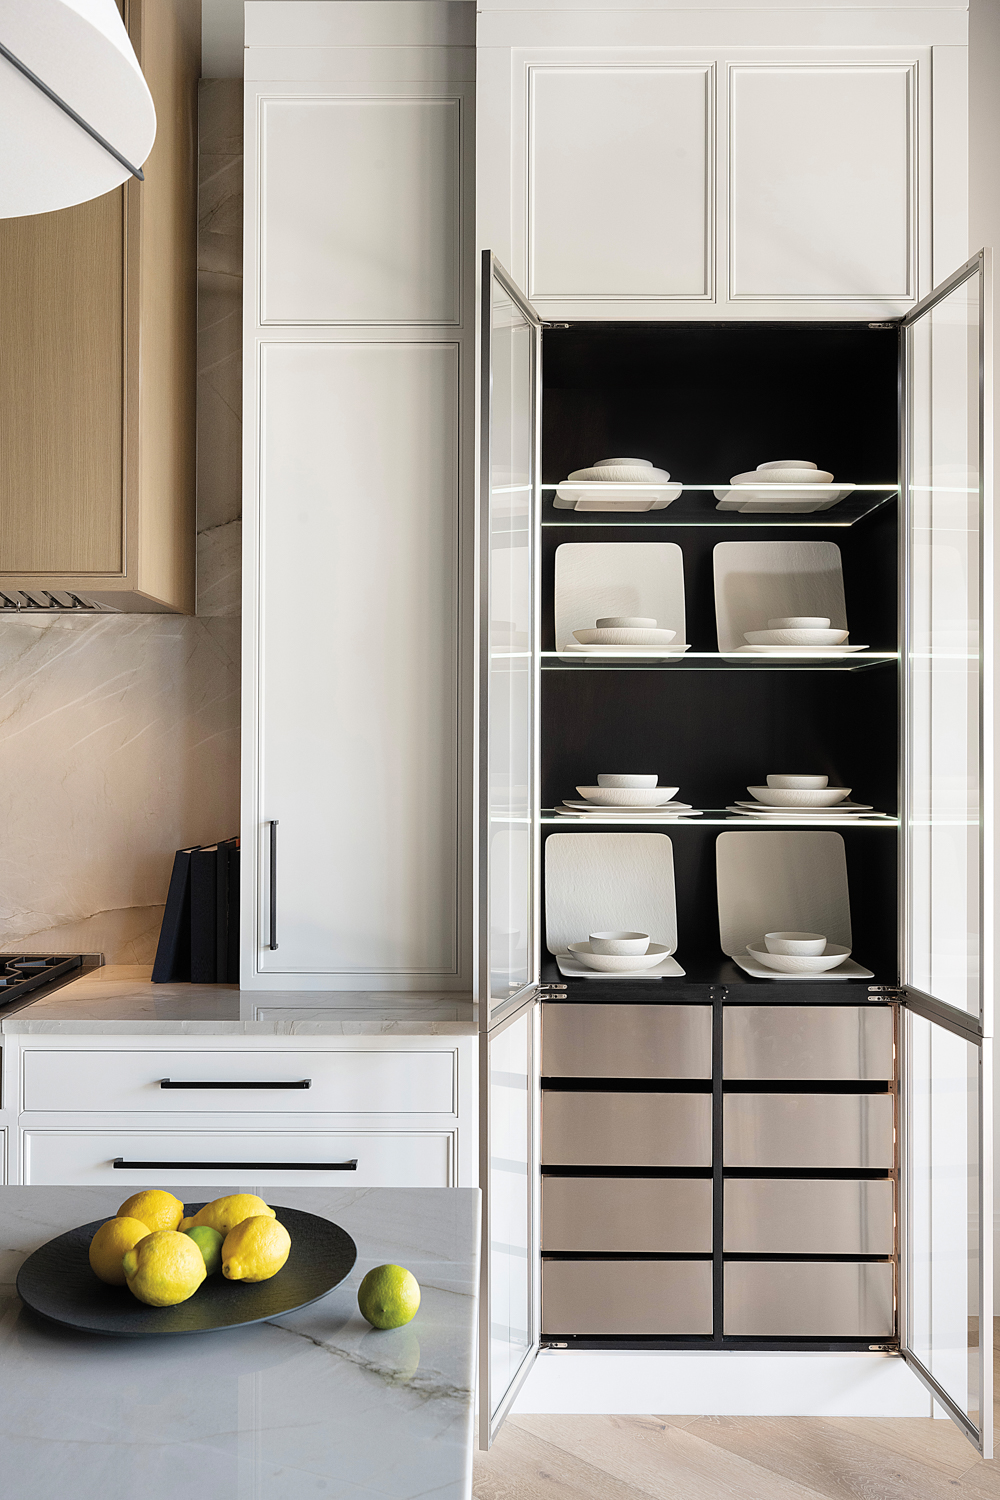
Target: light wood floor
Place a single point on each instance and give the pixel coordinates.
(732, 1458)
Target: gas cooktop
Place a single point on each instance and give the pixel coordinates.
(23, 972)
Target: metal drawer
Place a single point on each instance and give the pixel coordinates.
(807, 1042)
(796, 1217)
(626, 1297)
(626, 1041)
(626, 1130)
(627, 1214)
(808, 1130)
(816, 1300)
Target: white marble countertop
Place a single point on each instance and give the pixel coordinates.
(314, 1403)
(119, 997)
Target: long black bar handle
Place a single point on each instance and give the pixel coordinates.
(273, 888)
(228, 1083)
(236, 1166)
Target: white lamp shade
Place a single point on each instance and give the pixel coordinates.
(81, 50)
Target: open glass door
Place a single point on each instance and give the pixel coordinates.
(508, 843)
(946, 1218)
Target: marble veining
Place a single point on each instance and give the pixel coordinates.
(315, 1402)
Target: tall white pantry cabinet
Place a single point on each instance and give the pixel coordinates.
(693, 165)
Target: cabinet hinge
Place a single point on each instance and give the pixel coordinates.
(883, 325)
(546, 1344)
(886, 992)
(552, 989)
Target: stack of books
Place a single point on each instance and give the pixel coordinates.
(200, 934)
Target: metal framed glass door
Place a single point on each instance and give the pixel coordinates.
(508, 842)
(946, 1219)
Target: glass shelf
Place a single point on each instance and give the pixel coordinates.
(695, 506)
(714, 661)
(712, 818)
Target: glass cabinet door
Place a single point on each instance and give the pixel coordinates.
(508, 843)
(946, 814)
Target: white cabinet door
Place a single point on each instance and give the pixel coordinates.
(357, 700)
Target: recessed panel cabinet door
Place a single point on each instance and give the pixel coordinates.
(358, 677)
(946, 1321)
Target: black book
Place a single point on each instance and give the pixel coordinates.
(226, 911)
(233, 930)
(173, 951)
(204, 883)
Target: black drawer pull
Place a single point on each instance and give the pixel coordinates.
(229, 1083)
(237, 1166)
(273, 887)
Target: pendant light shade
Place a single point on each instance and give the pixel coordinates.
(79, 51)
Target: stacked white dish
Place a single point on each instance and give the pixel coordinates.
(627, 798)
(801, 953)
(798, 636)
(794, 486)
(638, 487)
(626, 636)
(804, 798)
(619, 952)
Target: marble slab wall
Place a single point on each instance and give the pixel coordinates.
(119, 736)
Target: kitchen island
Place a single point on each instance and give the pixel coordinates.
(315, 1403)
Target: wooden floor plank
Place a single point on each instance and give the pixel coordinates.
(661, 1460)
(940, 1445)
(521, 1466)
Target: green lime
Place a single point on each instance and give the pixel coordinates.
(209, 1242)
(389, 1296)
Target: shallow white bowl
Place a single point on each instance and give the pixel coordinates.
(605, 463)
(620, 942)
(628, 796)
(619, 779)
(619, 473)
(791, 963)
(620, 963)
(796, 783)
(801, 944)
(786, 796)
(627, 622)
(631, 637)
(800, 622)
(787, 463)
(795, 637)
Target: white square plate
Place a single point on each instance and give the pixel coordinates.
(571, 968)
(847, 970)
(596, 579)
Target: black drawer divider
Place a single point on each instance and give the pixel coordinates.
(807, 1086)
(554, 1170)
(628, 1085)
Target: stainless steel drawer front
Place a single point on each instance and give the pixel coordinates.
(626, 1130)
(808, 1130)
(626, 1297)
(627, 1041)
(815, 1300)
(807, 1042)
(782, 1217)
(627, 1214)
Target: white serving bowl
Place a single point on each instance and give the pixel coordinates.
(791, 963)
(795, 637)
(787, 463)
(796, 783)
(785, 796)
(627, 622)
(620, 963)
(801, 944)
(608, 637)
(800, 622)
(619, 779)
(618, 474)
(628, 796)
(620, 942)
(608, 463)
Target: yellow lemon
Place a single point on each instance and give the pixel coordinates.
(186, 1224)
(389, 1296)
(109, 1245)
(154, 1208)
(224, 1214)
(164, 1268)
(256, 1249)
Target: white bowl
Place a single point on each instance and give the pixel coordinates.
(628, 796)
(619, 779)
(607, 637)
(802, 944)
(627, 622)
(607, 463)
(620, 963)
(795, 637)
(620, 942)
(787, 463)
(800, 622)
(786, 796)
(792, 963)
(796, 783)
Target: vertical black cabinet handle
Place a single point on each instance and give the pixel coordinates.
(273, 887)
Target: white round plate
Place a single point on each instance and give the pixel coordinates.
(616, 472)
(620, 963)
(626, 636)
(627, 796)
(801, 653)
(837, 807)
(574, 648)
(631, 806)
(794, 963)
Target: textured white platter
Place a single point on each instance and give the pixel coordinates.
(833, 807)
(571, 968)
(622, 497)
(800, 653)
(611, 882)
(629, 815)
(772, 499)
(597, 579)
(760, 581)
(792, 881)
(847, 970)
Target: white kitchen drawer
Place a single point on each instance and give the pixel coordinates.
(266, 1158)
(353, 1082)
